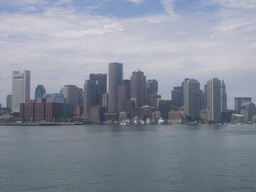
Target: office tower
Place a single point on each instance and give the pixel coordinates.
(177, 96)
(115, 76)
(81, 97)
(121, 96)
(152, 87)
(89, 95)
(138, 88)
(202, 100)
(240, 100)
(127, 83)
(9, 101)
(182, 85)
(20, 89)
(39, 93)
(192, 98)
(213, 99)
(205, 96)
(223, 97)
(71, 95)
(101, 85)
(123, 93)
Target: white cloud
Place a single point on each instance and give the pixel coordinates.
(169, 8)
(246, 4)
(136, 1)
(61, 47)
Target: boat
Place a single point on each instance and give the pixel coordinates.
(160, 121)
(148, 121)
(135, 121)
(125, 122)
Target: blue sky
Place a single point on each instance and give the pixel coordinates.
(61, 42)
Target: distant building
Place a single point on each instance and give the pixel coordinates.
(71, 95)
(213, 99)
(248, 110)
(237, 118)
(226, 116)
(192, 98)
(153, 99)
(96, 113)
(105, 100)
(138, 88)
(53, 111)
(152, 87)
(177, 96)
(164, 106)
(122, 95)
(39, 93)
(9, 101)
(223, 97)
(175, 117)
(33, 111)
(53, 98)
(239, 101)
(115, 76)
(100, 81)
(202, 100)
(89, 95)
(20, 89)
(110, 117)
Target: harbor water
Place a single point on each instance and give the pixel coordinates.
(128, 158)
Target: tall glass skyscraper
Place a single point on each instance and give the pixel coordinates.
(20, 89)
(39, 93)
(115, 78)
(213, 99)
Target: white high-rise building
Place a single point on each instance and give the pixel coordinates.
(213, 99)
(20, 89)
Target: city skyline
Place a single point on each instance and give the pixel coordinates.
(62, 42)
(201, 87)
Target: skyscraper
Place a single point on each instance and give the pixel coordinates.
(71, 95)
(39, 93)
(152, 87)
(223, 97)
(100, 81)
(192, 97)
(123, 93)
(20, 89)
(138, 88)
(89, 95)
(177, 96)
(213, 99)
(9, 101)
(115, 76)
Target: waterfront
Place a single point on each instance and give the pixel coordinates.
(128, 158)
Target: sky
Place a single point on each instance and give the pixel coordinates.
(62, 41)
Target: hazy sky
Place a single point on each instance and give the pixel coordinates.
(61, 42)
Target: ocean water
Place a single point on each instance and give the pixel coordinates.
(128, 158)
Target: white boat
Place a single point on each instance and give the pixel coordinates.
(148, 121)
(125, 122)
(160, 121)
(136, 120)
